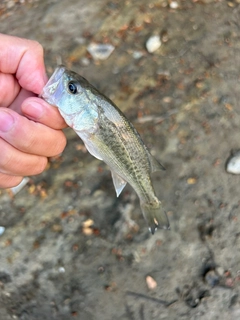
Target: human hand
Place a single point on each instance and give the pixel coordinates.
(30, 129)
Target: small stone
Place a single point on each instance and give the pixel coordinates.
(10, 4)
(100, 51)
(151, 283)
(137, 54)
(87, 227)
(85, 62)
(167, 99)
(173, 5)
(87, 231)
(153, 43)
(88, 223)
(231, 4)
(233, 164)
(61, 270)
(191, 180)
(220, 271)
(2, 229)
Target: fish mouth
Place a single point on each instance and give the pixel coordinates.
(51, 86)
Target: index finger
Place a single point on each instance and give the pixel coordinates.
(24, 59)
(39, 110)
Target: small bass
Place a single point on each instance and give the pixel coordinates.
(108, 136)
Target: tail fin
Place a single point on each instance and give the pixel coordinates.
(155, 215)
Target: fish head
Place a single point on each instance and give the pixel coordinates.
(66, 90)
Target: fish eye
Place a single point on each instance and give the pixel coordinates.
(72, 87)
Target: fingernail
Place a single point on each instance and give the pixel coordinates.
(6, 121)
(33, 110)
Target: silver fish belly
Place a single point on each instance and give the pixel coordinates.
(108, 136)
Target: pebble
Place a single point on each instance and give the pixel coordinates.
(191, 180)
(137, 54)
(85, 62)
(151, 283)
(2, 229)
(100, 51)
(173, 5)
(88, 223)
(61, 270)
(10, 4)
(233, 164)
(87, 227)
(153, 43)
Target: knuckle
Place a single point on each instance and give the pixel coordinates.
(6, 156)
(6, 83)
(14, 163)
(37, 46)
(60, 145)
(3, 92)
(30, 142)
(32, 137)
(56, 144)
(40, 166)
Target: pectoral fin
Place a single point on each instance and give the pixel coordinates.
(119, 183)
(90, 147)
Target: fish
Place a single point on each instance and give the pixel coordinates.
(109, 136)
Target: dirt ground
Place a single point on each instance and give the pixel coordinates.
(71, 249)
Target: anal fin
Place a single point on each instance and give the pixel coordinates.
(119, 183)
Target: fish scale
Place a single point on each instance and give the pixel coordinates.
(109, 136)
(127, 159)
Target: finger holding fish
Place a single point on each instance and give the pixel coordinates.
(35, 137)
(40, 111)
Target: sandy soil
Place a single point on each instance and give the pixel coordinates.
(183, 99)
